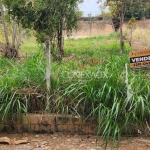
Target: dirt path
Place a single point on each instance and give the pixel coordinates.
(63, 141)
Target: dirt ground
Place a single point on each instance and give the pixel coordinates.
(65, 141)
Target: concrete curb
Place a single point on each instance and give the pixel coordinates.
(48, 123)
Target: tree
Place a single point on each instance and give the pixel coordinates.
(4, 24)
(131, 25)
(117, 8)
(121, 9)
(113, 13)
(12, 48)
(138, 9)
(48, 18)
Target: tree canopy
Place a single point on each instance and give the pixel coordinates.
(47, 17)
(121, 10)
(133, 8)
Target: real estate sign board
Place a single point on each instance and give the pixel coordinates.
(140, 58)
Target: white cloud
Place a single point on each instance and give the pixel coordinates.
(90, 6)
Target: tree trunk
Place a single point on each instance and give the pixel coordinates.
(14, 33)
(76, 34)
(121, 26)
(130, 42)
(121, 38)
(60, 40)
(19, 38)
(4, 24)
(116, 22)
(10, 52)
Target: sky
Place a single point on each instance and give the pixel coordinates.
(90, 6)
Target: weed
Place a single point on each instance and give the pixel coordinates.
(89, 82)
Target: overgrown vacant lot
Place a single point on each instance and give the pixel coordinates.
(91, 82)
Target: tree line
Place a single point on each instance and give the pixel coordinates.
(49, 18)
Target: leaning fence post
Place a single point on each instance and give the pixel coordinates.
(48, 83)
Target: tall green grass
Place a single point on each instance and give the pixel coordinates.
(89, 82)
(105, 98)
(19, 82)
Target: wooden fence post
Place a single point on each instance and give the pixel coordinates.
(48, 68)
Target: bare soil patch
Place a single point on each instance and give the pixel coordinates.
(66, 141)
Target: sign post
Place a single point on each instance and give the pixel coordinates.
(140, 58)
